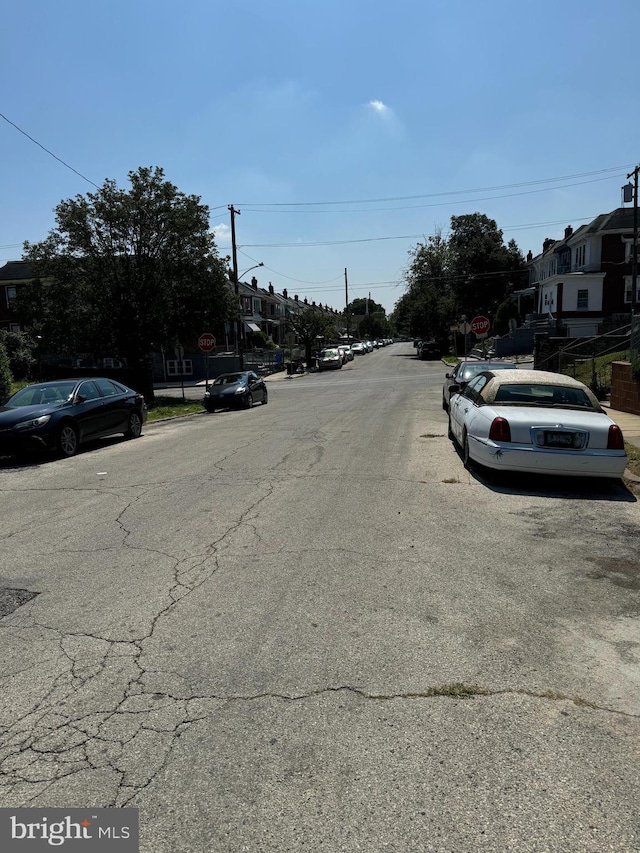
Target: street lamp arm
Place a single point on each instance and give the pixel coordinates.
(254, 267)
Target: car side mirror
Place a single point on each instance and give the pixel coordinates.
(454, 389)
(80, 399)
(448, 376)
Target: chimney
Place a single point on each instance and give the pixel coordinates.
(296, 297)
(529, 256)
(568, 231)
(285, 294)
(270, 289)
(254, 282)
(313, 303)
(305, 301)
(549, 241)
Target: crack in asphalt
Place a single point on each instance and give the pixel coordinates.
(46, 744)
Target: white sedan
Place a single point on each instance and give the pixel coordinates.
(536, 422)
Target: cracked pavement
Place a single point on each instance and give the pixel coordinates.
(307, 627)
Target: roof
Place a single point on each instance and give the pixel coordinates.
(16, 271)
(620, 219)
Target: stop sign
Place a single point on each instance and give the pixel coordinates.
(480, 325)
(206, 342)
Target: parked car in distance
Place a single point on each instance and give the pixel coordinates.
(235, 391)
(63, 414)
(466, 370)
(359, 348)
(428, 350)
(535, 422)
(347, 353)
(329, 359)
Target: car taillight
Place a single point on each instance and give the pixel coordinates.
(500, 430)
(616, 439)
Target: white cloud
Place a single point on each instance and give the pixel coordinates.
(379, 107)
(222, 234)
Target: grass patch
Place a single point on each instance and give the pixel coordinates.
(583, 370)
(172, 407)
(450, 359)
(633, 458)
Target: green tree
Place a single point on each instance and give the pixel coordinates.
(483, 268)
(20, 349)
(309, 323)
(5, 373)
(125, 272)
(428, 306)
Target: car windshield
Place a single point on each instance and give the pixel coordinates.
(471, 370)
(327, 353)
(36, 395)
(230, 379)
(529, 394)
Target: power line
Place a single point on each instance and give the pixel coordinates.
(319, 243)
(443, 203)
(55, 156)
(444, 193)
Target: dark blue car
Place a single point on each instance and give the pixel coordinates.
(61, 415)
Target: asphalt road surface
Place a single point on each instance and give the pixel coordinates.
(305, 627)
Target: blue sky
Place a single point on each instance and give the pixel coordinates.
(360, 126)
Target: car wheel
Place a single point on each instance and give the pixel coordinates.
(465, 450)
(248, 400)
(265, 399)
(67, 440)
(134, 428)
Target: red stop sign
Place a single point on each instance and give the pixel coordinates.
(480, 325)
(206, 342)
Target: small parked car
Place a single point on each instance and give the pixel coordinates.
(235, 391)
(329, 359)
(428, 350)
(347, 353)
(63, 414)
(466, 370)
(535, 422)
(359, 348)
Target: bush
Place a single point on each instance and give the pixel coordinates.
(20, 351)
(5, 373)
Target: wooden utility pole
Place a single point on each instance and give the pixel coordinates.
(346, 299)
(236, 287)
(634, 255)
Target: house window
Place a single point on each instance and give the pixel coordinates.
(14, 327)
(583, 300)
(257, 306)
(11, 296)
(627, 290)
(173, 367)
(580, 256)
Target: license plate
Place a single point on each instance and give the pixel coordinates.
(558, 439)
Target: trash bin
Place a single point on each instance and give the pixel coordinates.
(290, 367)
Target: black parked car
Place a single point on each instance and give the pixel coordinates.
(235, 390)
(62, 415)
(428, 350)
(466, 370)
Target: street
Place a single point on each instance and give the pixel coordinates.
(307, 627)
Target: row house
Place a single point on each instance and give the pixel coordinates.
(12, 275)
(584, 280)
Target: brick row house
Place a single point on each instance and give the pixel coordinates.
(583, 282)
(13, 275)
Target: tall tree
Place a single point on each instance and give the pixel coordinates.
(484, 269)
(308, 323)
(125, 272)
(428, 306)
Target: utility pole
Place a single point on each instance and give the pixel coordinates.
(236, 287)
(346, 299)
(634, 255)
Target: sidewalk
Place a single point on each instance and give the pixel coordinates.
(628, 423)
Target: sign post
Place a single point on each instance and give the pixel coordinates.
(206, 342)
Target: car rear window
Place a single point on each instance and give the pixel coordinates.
(542, 395)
